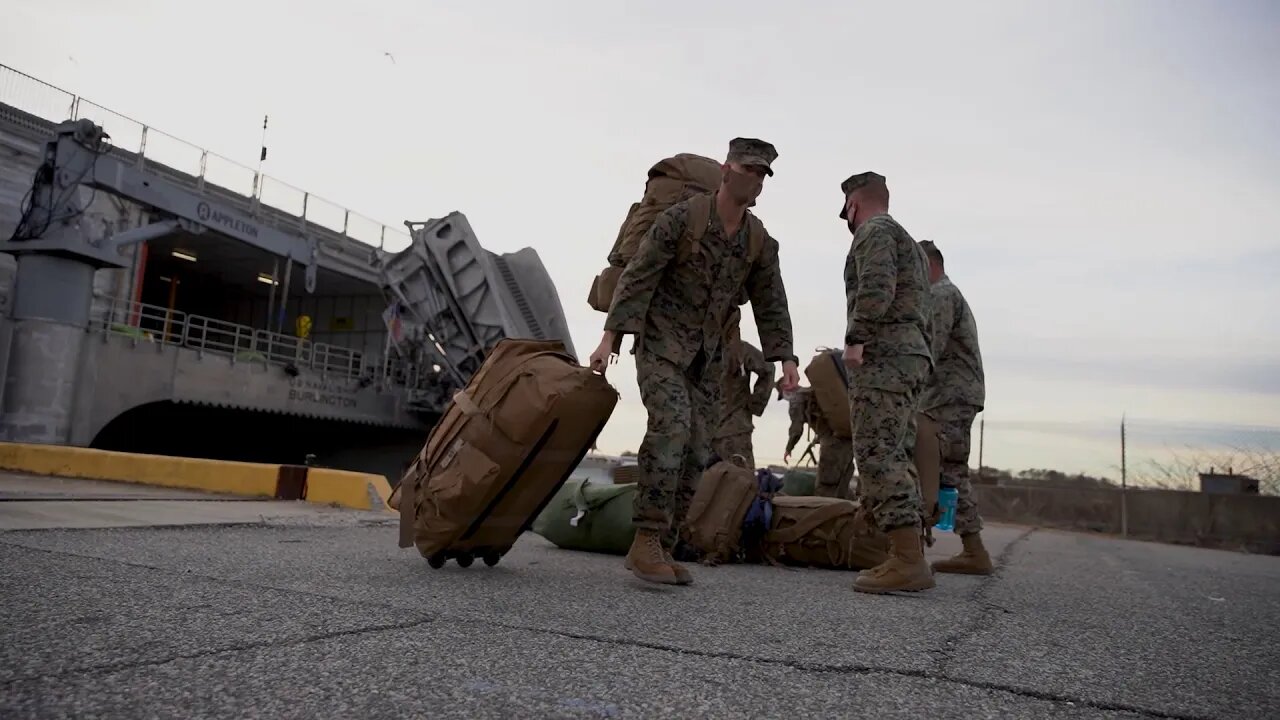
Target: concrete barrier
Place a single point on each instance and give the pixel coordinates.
(1233, 522)
(361, 491)
(366, 491)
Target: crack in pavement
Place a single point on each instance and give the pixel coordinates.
(188, 573)
(940, 674)
(846, 669)
(281, 643)
(985, 617)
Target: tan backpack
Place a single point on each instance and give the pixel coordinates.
(684, 176)
(830, 388)
(928, 461)
(719, 506)
(823, 532)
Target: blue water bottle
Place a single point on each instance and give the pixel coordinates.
(947, 497)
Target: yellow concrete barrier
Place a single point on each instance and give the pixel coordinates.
(365, 491)
(362, 491)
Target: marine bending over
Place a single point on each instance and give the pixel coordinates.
(675, 296)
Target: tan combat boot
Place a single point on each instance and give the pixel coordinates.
(973, 560)
(683, 576)
(647, 559)
(904, 570)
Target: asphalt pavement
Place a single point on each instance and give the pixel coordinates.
(301, 611)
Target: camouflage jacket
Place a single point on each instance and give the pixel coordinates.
(887, 297)
(739, 400)
(676, 301)
(957, 374)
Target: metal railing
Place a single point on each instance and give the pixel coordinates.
(246, 343)
(156, 325)
(148, 145)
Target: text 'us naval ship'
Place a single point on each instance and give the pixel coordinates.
(160, 298)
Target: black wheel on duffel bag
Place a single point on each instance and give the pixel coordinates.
(465, 559)
(491, 558)
(436, 561)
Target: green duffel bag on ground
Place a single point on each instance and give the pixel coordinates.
(799, 482)
(589, 516)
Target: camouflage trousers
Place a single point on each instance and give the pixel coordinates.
(883, 399)
(956, 422)
(681, 407)
(835, 467)
(737, 444)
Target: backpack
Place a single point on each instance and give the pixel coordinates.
(823, 532)
(501, 450)
(830, 387)
(928, 461)
(684, 176)
(713, 526)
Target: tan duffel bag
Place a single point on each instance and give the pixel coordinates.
(824, 532)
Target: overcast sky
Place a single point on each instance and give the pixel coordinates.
(1103, 177)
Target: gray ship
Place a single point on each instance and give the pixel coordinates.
(159, 298)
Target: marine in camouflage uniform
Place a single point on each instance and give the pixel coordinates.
(835, 454)
(739, 400)
(675, 298)
(887, 352)
(956, 393)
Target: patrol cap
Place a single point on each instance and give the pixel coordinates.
(752, 151)
(857, 182)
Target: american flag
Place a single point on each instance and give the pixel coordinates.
(391, 317)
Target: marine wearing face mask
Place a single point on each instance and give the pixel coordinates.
(889, 361)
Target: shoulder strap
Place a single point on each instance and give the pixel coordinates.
(755, 237)
(811, 522)
(699, 219)
(700, 207)
(837, 359)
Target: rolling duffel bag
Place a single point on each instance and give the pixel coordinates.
(504, 446)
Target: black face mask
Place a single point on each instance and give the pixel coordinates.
(743, 186)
